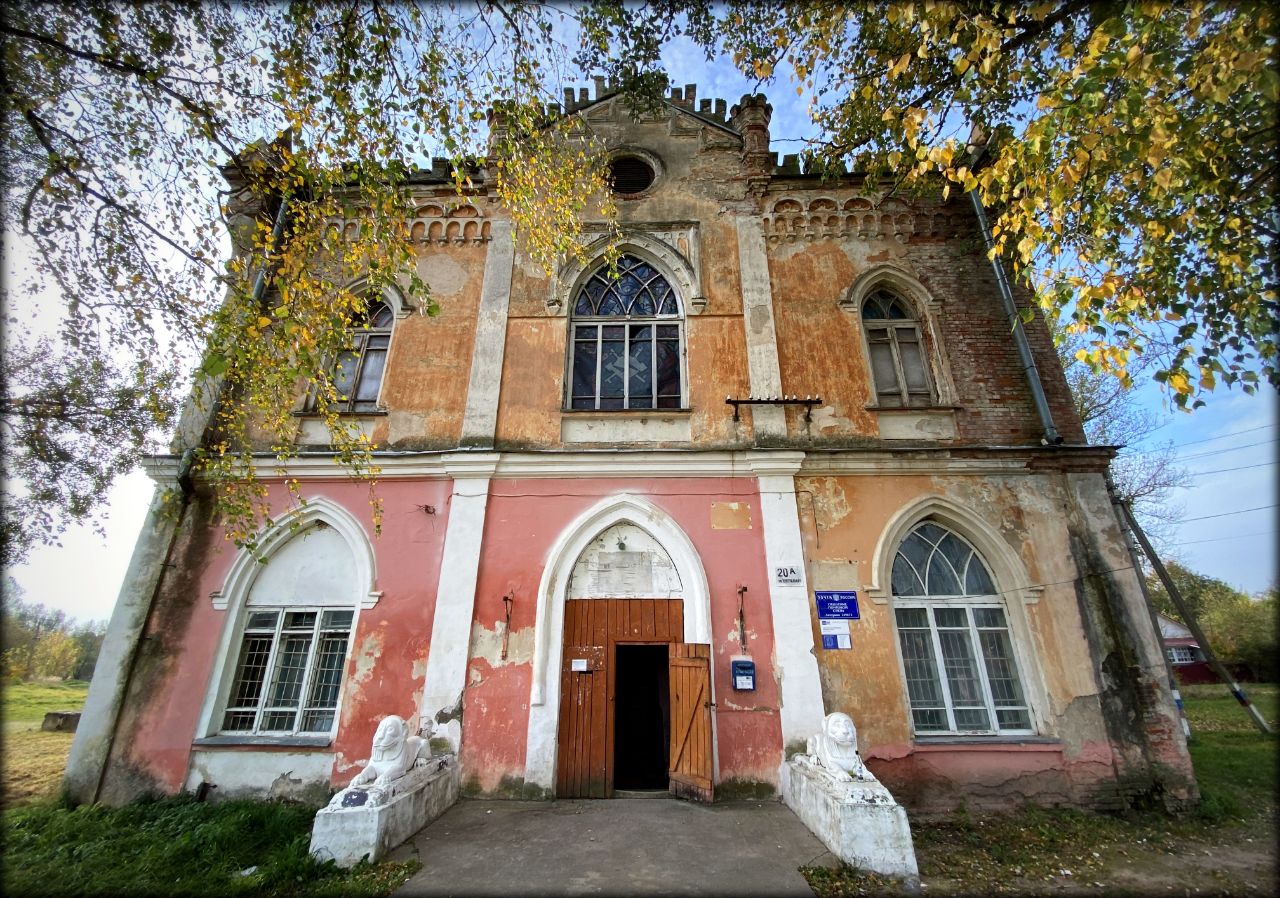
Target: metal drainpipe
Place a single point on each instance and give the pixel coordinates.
(1051, 435)
(186, 485)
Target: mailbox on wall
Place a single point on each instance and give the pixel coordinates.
(743, 671)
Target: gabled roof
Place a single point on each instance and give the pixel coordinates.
(1171, 629)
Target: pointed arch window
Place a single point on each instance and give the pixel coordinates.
(357, 374)
(627, 338)
(898, 365)
(957, 650)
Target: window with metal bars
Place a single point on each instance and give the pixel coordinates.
(1181, 654)
(957, 651)
(357, 373)
(898, 366)
(288, 672)
(627, 340)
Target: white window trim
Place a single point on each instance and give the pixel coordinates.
(1174, 651)
(234, 595)
(969, 603)
(309, 669)
(1007, 572)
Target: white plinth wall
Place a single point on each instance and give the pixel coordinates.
(347, 834)
(859, 822)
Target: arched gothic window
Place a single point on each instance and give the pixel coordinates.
(898, 365)
(627, 338)
(357, 374)
(957, 651)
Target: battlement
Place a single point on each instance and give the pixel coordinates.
(686, 97)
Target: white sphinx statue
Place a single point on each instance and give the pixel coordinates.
(844, 805)
(401, 789)
(834, 751)
(393, 755)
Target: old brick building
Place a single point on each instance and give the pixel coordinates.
(582, 536)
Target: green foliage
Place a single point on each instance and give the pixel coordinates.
(1199, 592)
(1027, 850)
(132, 140)
(1126, 151)
(44, 642)
(1240, 629)
(177, 846)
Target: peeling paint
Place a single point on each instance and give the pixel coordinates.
(730, 516)
(486, 645)
(825, 417)
(829, 500)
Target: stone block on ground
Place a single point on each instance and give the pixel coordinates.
(61, 721)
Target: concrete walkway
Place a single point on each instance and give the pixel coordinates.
(616, 847)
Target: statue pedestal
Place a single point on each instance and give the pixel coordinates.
(858, 821)
(383, 821)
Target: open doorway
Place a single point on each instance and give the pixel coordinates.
(642, 719)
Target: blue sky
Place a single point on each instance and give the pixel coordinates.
(1229, 447)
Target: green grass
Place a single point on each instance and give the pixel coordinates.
(28, 702)
(171, 846)
(178, 846)
(1022, 852)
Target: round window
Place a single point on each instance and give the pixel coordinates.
(630, 174)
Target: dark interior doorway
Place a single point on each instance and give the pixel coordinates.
(642, 718)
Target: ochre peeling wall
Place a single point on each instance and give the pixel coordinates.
(843, 519)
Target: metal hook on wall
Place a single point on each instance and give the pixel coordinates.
(742, 620)
(507, 602)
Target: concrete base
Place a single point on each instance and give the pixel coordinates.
(858, 821)
(348, 834)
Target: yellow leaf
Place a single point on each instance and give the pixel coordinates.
(264, 322)
(1163, 177)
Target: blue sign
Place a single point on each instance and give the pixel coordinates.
(837, 605)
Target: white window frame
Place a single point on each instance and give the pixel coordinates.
(968, 602)
(261, 708)
(233, 599)
(1181, 654)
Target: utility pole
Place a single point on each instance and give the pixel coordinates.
(1190, 621)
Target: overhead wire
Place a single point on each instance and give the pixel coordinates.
(1205, 517)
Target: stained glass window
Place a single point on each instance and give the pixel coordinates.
(627, 336)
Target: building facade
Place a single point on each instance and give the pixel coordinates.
(629, 513)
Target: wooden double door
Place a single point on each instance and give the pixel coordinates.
(635, 701)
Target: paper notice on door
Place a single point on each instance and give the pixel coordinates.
(835, 634)
(579, 664)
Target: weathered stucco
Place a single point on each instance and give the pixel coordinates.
(485, 472)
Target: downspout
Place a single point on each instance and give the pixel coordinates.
(1051, 435)
(186, 486)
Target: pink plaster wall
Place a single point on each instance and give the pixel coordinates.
(386, 661)
(523, 520)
